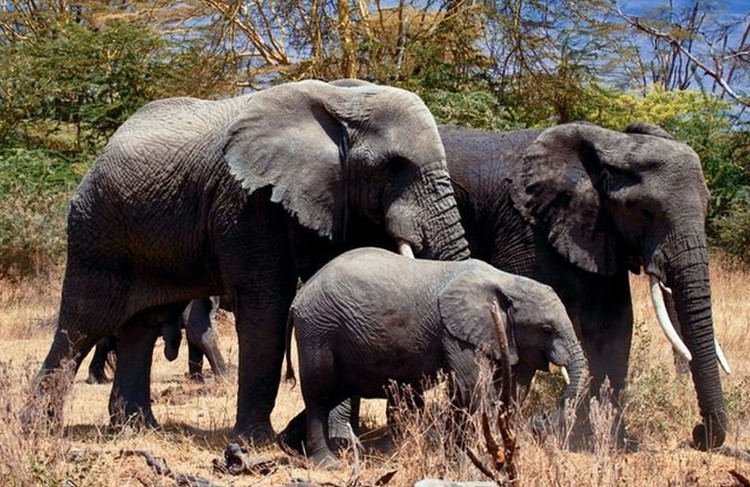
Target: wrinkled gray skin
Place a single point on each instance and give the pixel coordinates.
(193, 198)
(578, 207)
(371, 316)
(197, 321)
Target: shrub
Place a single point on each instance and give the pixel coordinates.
(34, 189)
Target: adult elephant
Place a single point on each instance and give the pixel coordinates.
(577, 207)
(243, 196)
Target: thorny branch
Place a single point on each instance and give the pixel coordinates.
(503, 453)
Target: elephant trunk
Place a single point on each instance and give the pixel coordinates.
(576, 366)
(685, 264)
(444, 237)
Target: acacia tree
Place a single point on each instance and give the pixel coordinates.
(89, 66)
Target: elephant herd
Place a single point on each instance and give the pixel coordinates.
(246, 196)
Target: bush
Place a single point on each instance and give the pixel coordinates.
(34, 190)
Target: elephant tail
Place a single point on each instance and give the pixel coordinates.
(289, 377)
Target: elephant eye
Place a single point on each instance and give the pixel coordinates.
(547, 329)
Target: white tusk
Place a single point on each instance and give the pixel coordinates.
(665, 288)
(405, 249)
(722, 358)
(564, 372)
(663, 318)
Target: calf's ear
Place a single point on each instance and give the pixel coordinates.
(465, 306)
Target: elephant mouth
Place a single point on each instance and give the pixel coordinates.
(658, 289)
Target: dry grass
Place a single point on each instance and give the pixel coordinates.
(661, 409)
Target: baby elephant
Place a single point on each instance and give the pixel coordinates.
(371, 316)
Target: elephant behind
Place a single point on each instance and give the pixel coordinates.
(577, 207)
(243, 196)
(371, 316)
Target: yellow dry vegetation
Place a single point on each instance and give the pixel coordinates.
(197, 418)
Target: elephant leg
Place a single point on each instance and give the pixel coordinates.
(98, 363)
(316, 446)
(195, 362)
(293, 436)
(131, 389)
(339, 420)
(344, 415)
(321, 390)
(260, 327)
(74, 338)
(607, 330)
(203, 340)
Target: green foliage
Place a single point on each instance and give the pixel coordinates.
(472, 106)
(34, 190)
(69, 87)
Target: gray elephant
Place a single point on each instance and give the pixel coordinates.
(198, 322)
(371, 316)
(243, 196)
(578, 207)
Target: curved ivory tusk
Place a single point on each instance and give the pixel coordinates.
(405, 249)
(722, 358)
(564, 372)
(665, 288)
(663, 318)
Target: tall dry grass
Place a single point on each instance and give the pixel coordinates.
(660, 407)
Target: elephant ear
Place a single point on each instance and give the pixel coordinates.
(464, 305)
(648, 129)
(292, 138)
(350, 82)
(559, 188)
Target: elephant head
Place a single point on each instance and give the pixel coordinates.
(335, 155)
(538, 328)
(608, 201)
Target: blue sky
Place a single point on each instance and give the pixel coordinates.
(638, 7)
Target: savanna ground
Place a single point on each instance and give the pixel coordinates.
(660, 406)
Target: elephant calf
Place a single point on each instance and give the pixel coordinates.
(197, 320)
(371, 316)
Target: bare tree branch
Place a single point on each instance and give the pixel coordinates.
(669, 37)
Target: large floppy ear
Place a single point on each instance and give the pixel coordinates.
(292, 137)
(465, 309)
(561, 187)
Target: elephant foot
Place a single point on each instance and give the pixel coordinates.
(705, 439)
(257, 434)
(137, 421)
(35, 418)
(328, 462)
(136, 417)
(97, 379)
(197, 378)
(292, 438)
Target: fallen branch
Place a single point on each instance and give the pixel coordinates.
(159, 465)
(734, 452)
(744, 482)
(236, 462)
